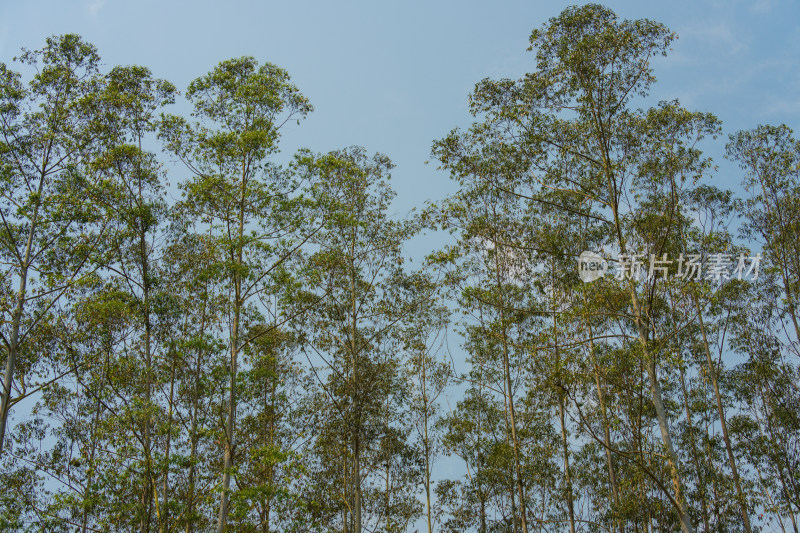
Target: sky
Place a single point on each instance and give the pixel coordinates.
(393, 77)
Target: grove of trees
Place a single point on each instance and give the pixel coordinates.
(262, 354)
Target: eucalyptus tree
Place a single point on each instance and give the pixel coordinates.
(135, 201)
(570, 126)
(488, 274)
(351, 336)
(424, 333)
(250, 204)
(50, 230)
(274, 429)
(770, 158)
(196, 355)
(768, 334)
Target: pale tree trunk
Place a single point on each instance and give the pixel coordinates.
(164, 520)
(561, 414)
(269, 406)
(230, 425)
(16, 318)
(510, 394)
(612, 188)
(567, 473)
(93, 437)
(194, 436)
(426, 445)
(695, 455)
(787, 286)
(150, 488)
(612, 475)
(388, 500)
(357, 486)
(712, 374)
(355, 384)
(657, 397)
(510, 442)
(780, 468)
(345, 490)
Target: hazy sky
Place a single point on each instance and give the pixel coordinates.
(395, 76)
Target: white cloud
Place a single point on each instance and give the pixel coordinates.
(95, 6)
(761, 6)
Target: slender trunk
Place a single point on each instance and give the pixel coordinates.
(483, 512)
(510, 394)
(773, 438)
(237, 260)
(388, 499)
(426, 444)
(561, 414)
(639, 318)
(87, 495)
(93, 436)
(612, 475)
(190, 493)
(270, 407)
(354, 390)
(148, 454)
(712, 374)
(768, 238)
(345, 490)
(510, 442)
(16, 318)
(768, 497)
(164, 522)
(695, 455)
(229, 425)
(357, 485)
(193, 436)
(567, 473)
(658, 402)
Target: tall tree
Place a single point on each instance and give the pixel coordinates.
(246, 199)
(569, 127)
(351, 336)
(50, 229)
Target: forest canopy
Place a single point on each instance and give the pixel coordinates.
(254, 349)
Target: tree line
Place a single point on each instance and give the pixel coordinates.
(262, 354)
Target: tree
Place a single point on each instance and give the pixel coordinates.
(569, 128)
(137, 208)
(50, 228)
(350, 336)
(428, 375)
(249, 202)
(769, 335)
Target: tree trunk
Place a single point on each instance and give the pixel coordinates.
(510, 394)
(237, 260)
(712, 374)
(567, 473)
(16, 319)
(695, 459)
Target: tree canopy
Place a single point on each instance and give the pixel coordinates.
(256, 350)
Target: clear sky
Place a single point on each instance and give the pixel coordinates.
(395, 76)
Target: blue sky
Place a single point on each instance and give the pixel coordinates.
(395, 76)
